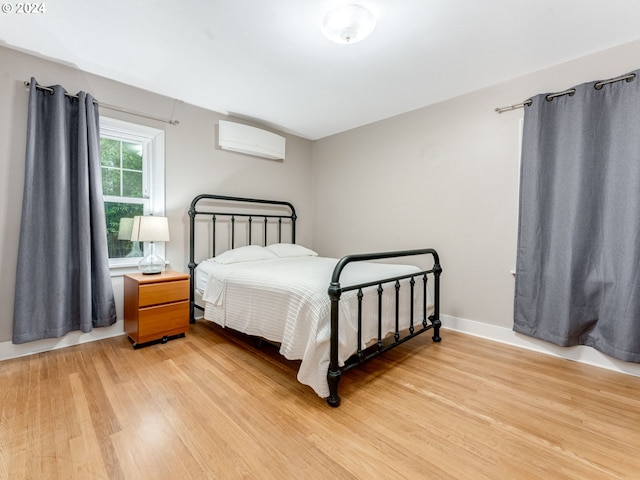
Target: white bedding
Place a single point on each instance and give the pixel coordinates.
(285, 300)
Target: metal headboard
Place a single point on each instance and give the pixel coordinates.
(242, 212)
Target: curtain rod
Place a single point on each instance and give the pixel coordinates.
(508, 108)
(598, 85)
(110, 107)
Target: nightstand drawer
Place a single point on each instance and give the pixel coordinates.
(163, 320)
(163, 292)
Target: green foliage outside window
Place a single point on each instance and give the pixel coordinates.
(122, 176)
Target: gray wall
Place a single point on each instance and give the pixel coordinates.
(194, 164)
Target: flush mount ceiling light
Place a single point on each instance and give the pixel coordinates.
(348, 24)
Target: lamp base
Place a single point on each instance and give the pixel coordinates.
(152, 264)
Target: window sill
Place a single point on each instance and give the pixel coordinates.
(121, 269)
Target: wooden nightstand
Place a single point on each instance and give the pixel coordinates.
(156, 307)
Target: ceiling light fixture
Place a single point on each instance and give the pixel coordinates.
(348, 24)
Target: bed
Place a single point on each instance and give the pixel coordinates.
(331, 314)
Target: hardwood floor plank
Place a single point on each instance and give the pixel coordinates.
(215, 405)
(12, 419)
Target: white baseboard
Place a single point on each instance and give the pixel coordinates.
(9, 350)
(581, 354)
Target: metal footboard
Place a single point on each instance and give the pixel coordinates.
(383, 344)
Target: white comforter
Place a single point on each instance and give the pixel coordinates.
(285, 300)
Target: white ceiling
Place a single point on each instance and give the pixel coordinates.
(267, 59)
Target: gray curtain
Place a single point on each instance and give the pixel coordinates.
(578, 259)
(62, 280)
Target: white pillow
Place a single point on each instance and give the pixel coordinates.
(244, 254)
(283, 250)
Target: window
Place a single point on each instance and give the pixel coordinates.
(132, 160)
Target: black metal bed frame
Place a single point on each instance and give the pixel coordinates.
(335, 290)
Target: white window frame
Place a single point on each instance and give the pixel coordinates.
(153, 168)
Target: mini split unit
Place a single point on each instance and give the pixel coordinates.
(253, 141)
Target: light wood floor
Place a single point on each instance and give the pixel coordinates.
(206, 406)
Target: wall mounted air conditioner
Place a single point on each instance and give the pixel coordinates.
(254, 141)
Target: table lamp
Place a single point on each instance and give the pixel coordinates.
(150, 229)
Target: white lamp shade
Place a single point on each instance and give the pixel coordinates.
(150, 229)
(348, 24)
